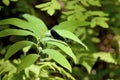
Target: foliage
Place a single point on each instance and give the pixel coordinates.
(7, 2)
(37, 29)
(50, 7)
(90, 49)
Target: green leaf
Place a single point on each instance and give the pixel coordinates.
(59, 58)
(18, 23)
(35, 25)
(27, 61)
(8, 32)
(101, 21)
(16, 47)
(94, 2)
(88, 65)
(93, 23)
(26, 49)
(87, 60)
(7, 67)
(98, 13)
(45, 9)
(35, 69)
(43, 5)
(71, 36)
(85, 3)
(81, 8)
(65, 48)
(51, 11)
(55, 4)
(6, 2)
(39, 26)
(14, 0)
(50, 7)
(103, 24)
(71, 25)
(48, 39)
(105, 56)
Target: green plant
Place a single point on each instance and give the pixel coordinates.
(83, 28)
(43, 42)
(50, 7)
(78, 18)
(94, 22)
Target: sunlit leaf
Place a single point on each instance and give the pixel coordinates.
(33, 68)
(80, 8)
(70, 35)
(98, 13)
(18, 23)
(65, 48)
(38, 24)
(16, 47)
(45, 9)
(48, 39)
(87, 60)
(58, 57)
(94, 2)
(105, 56)
(103, 24)
(51, 11)
(8, 32)
(50, 7)
(43, 5)
(71, 25)
(6, 2)
(101, 21)
(55, 4)
(87, 65)
(85, 3)
(7, 67)
(26, 49)
(93, 23)
(27, 61)
(14, 0)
